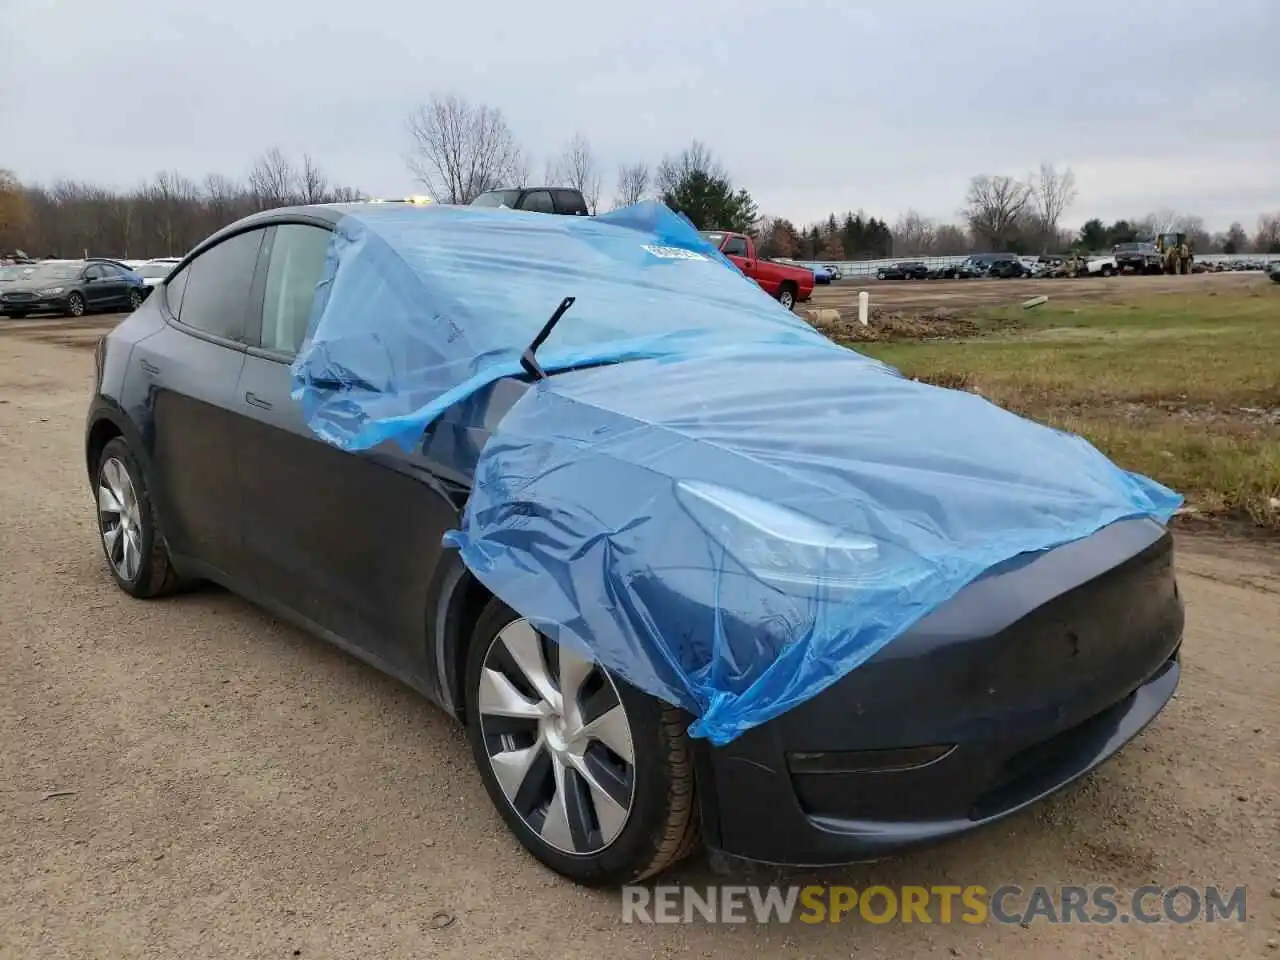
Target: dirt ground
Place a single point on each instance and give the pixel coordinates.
(925, 295)
(236, 788)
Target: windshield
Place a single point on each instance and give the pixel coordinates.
(497, 198)
(56, 271)
(156, 270)
(713, 237)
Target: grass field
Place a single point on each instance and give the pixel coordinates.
(1182, 386)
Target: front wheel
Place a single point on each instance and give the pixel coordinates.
(592, 776)
(1107, 271)
(75, 305)
(787, 297)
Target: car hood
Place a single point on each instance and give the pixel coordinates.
(32, 283)
(736, 531)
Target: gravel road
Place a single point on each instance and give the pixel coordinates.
(235, 788)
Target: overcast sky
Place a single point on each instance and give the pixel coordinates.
(812, 106)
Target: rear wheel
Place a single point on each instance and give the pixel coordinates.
(135, 299)
(128, 527)
(1107, 270)
(787, 296)
(593, 777)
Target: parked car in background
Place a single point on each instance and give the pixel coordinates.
(561, 200)
(1105, 266)
(904, 270)
(153, 271)
(786, 283)
(73, 288)
(1273, 270)
(1138, 257)
(822, 274)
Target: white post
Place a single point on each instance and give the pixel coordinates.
(864, 306)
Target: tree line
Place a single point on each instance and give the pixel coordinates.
(458, 149)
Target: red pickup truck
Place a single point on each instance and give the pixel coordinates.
(788, 284)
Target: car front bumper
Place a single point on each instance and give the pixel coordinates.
(942, 737)
(11, 304)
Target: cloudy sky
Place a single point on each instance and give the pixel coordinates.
(812, 106)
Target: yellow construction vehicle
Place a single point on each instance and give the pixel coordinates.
(1175, 251)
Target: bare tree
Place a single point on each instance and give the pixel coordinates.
(633, 184)
(313, 185)
(459, 150)
(995, 207)
(576, 167)
(1267, 239)
(696, 159)
(14, 214)
(914, 235)
(273, 180)
(1054, 192)
(950, 240)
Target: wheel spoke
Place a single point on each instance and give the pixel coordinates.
(611, 729)
(126, 557)
(511, 767)
(574, 671)
(109, 538)
(522, 642)
(610, 814)
(108, 502)
(555, 828)
(499, 698)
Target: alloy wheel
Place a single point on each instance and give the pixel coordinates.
(119, 519)
(558, 740)
(135, 299)
(787, 299)
(75, 305)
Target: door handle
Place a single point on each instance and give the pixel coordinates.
(148, 367)
(254, 400)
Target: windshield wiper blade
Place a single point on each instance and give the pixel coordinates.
(528, 360)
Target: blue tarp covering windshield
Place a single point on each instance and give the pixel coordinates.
(732, 519)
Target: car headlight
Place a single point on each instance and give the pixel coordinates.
(50, 291)
(778, 545)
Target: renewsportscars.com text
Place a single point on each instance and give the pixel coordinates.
(942, 904)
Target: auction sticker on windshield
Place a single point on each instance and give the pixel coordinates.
(672, 253)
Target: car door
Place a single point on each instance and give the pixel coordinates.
(191, 369)
(349, 541)
(93, 285)
(538, 201)
(114, 286)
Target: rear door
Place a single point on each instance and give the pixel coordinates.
(95, 286)
(115, 286)
(348, 541)
(190, 369)
(538, 201)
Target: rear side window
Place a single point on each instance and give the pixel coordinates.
(570, 202)
(216, 294)
(297, 262)
(539, 201)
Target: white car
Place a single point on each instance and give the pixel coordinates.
(153, 271)
(1102, 266)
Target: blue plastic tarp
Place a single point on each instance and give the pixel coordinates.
(422, 306)
(734, 513)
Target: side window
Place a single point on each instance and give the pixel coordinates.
(735, 247)
(217, 291)
(296, 265)
(569, 202)
(174, 288)
(93, 272)
(539, 201)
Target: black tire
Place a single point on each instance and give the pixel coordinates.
(76, 306)
(662, 826)
(155, 575)
(787, 292)
(135, 299)
(1106, 270)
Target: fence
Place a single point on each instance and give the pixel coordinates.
(867, 268)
